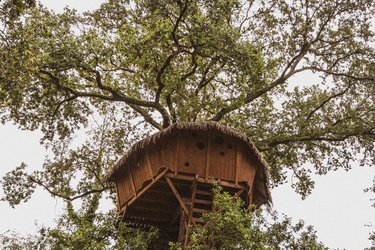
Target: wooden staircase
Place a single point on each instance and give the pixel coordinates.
(201, 202)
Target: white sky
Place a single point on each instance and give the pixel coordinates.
(338, 208)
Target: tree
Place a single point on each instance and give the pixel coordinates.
(132, 67)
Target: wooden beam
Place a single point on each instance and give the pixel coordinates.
(118, 196)
(250, 194)
(193, 193)
(178, 197)
(238, 194)
(144, 189)
(203, 180)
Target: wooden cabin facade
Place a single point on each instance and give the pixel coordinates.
(165, 179)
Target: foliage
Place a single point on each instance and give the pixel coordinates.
(84, 229)
(372, 238)
(132, 67)
(230, 226)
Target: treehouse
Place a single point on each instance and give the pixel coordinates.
(165, 180)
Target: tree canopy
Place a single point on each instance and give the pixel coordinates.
(133, 67)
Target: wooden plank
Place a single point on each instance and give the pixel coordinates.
(144, 189)
(237, 165)
(208, 156)
(122, 212)
(192, 152)
(177, 195)
(159, 204)
(148, 164)
(148, 214)
(197, 220)
(222, 157)
(141, 171)
(250, 194)
(238, 194)
(193, 193)
(247, 165)
(177, 147)
(125, 186)
(200, 210)
(118, 196)
(202, 180)
(203, 192)
(203, 202)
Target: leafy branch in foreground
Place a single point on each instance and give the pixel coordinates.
(230, 226)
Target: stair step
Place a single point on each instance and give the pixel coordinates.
(203, 192)
(197, 220)
(204, 202)
(199, 210)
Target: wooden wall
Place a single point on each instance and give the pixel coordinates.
(207, 154)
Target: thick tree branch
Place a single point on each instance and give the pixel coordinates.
(159, 75)
(115, 96)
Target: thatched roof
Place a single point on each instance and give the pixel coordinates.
(262, 175)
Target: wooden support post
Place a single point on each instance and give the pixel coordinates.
(177, 195)
(238, 194)
(203, 180)
(182, 229)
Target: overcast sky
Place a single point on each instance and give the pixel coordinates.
(338, 208)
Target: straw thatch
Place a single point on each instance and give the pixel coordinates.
(262, 182)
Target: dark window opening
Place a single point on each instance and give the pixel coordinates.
(230, 146)
(187, 164)
(222, 153)
(200, 145)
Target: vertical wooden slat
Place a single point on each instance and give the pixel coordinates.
(148, 164)
(208, 155)
(118, 197)
(177, 152)
(237, 163)
(132, 181)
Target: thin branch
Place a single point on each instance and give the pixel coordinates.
(337, 138)
(326, 101)
(146, 116)
(288, 71)
(343, 74)
(71, 98)
(65, 197)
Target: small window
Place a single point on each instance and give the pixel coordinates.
(200, 145)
